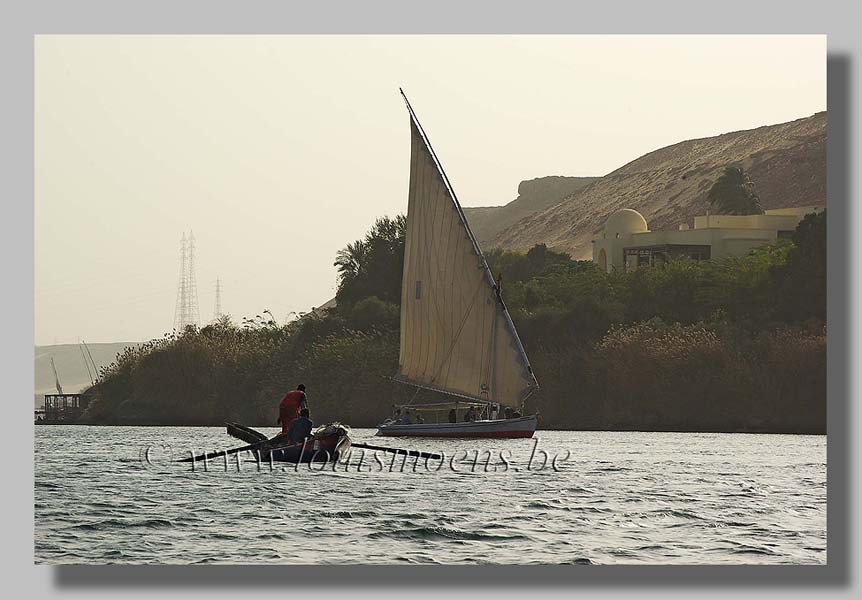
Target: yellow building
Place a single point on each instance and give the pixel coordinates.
(627, 243)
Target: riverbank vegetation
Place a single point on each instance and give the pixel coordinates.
(735, 344)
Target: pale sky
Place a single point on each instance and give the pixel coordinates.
(278, 150)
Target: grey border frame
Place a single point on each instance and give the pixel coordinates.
(21, 21)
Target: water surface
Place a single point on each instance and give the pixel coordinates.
(621, 497)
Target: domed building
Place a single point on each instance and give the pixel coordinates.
(625, 221)
(618, 232)
(626, 241)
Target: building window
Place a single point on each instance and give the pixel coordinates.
(656, 256)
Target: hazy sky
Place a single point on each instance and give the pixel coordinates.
(278, 150)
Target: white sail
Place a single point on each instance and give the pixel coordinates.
(456, 335)
(56, 377)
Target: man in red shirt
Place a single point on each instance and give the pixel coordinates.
(290, 406)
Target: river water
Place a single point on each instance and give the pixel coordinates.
(610, 497)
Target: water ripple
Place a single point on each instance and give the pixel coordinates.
(628, 498)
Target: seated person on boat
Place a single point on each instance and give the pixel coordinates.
(395, 419)
(300, 428)
(512, 413)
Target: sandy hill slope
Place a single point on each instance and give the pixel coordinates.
(534, 196)
(70, 365)
(668, 186)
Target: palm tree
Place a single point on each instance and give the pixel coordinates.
(350, 260)
(387, 230)
(733, 193)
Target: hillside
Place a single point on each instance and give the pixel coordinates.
(70, 365)
(534, 196)
(787, 162)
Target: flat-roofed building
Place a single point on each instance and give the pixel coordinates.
(626, 241)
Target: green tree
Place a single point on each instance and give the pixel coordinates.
(372, 266)
(733, 193)
(801, 282)
(372, 313)
(350, 260)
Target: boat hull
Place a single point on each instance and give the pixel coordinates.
(327, 448)
(521, 427)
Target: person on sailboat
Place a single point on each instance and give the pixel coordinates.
(290, 405)
(453, 416)
(300, 428)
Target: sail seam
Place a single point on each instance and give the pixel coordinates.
(448, 357)
(425, 344)
(408, 307)
(451, 253)
(455, 252)
(435, 268)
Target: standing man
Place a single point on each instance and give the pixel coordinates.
(290, 405)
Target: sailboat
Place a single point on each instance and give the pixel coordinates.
(457, 337)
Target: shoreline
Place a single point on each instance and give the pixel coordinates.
(608, 430)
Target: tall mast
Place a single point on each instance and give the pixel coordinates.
(93, 362)
(87, 364)
(56, 377)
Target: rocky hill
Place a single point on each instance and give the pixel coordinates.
(534, 196)
(787, 162)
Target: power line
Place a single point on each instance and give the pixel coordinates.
(217, 310)
(186, 309)
(181, 291)
(194, 307)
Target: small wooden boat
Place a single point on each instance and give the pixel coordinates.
(328, 443)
